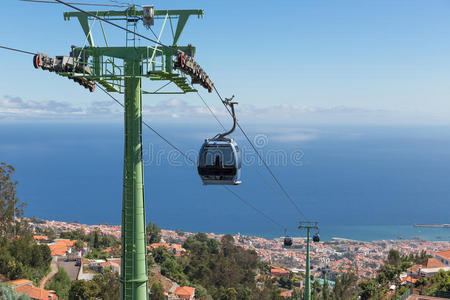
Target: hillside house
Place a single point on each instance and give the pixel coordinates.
(184, 293)
(443, 257)
(24, 286)
(279, 272)
(429, 268)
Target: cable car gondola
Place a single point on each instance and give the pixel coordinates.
(220, 161)
(287, 241)
(316, 238)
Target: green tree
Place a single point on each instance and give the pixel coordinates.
(96, 245)
(201, 293)
(170, 266)
(77, 234)
(315, 289)
(345, 287)
(96, 254)
(325, 291)
(108, 284)
(388, 273)
(11, 209)
(368, 288)
(153, 233)
(394, 258)
(83, 290)
(78, 245)
(49, 232)
(61, 284)
(228, 294)
(156, 291)
(23, 258)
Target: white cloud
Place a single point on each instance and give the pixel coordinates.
(293, 111)
(177, 109)
(16, 106)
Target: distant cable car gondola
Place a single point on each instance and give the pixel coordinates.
(287, 241)
(316, 238)
(220, 161)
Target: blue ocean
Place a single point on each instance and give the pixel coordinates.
(358, 182)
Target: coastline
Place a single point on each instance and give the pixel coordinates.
(356, 233)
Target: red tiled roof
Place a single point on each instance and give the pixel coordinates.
(409, 279)
(429, 264)
(57, 249)
(184, 291)
(157, 245)
(61, 246)
(444, 254)
(68, 243)
(414, 268)
(279, 271)
(433, 263)
(35, 292)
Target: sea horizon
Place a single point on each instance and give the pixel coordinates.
(348, 175)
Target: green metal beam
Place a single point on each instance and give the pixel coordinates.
(180, 26)
(132, 11)
(182, 15)
(87, 30)
(133, 263)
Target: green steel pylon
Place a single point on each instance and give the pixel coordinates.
(133, 262)
(308, 226)
(121, 69)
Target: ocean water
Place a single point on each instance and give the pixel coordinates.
(365, 183)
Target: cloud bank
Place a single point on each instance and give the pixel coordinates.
(16, 108)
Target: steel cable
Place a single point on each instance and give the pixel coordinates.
(190, 160)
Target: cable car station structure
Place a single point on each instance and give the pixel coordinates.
(122, 69)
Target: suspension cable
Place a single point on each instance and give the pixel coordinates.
(147, 125)
(210, 110)
(77, 3)
(18, 50)
(263, 160)
(253, 207)
(256, 169)
(192, 161)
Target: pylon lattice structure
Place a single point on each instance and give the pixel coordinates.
(121, 70)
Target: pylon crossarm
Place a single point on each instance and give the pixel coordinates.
(157, 58)
(181, 15)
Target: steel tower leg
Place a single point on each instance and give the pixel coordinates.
(308, 277)
(134, 261)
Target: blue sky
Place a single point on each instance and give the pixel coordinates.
(306, 63)
(318, 61)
